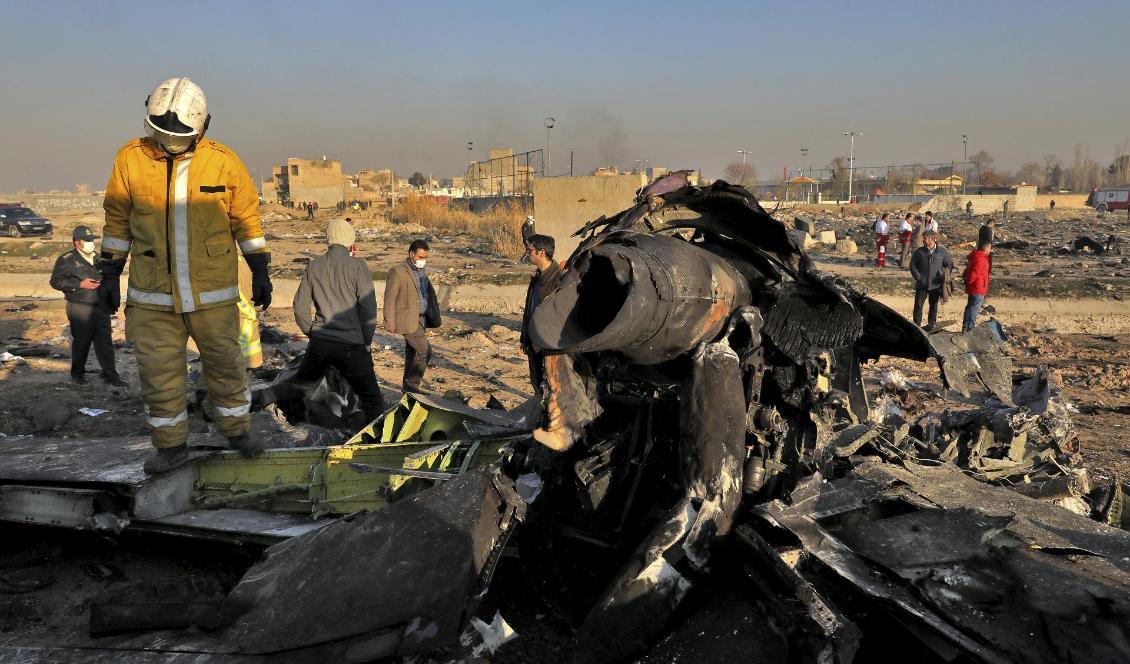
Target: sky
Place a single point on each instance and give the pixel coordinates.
(681, 85)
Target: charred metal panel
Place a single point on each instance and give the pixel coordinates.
(996, 575)
(396, 581)
(803, 321)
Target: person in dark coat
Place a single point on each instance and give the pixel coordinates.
(76, 274)
(930, 266)
(539, 249)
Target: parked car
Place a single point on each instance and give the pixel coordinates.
(19, 221)
(1110, 198)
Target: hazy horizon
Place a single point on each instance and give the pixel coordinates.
(378, 85)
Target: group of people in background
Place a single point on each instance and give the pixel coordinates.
(335, 306)
(931, 265)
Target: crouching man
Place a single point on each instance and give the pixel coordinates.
(340, 290)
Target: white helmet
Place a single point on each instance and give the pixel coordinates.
(176, 114)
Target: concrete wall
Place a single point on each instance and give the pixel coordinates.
(317, 180)
(1062, 201)
(564, 204)
(326, 196)
(47, 204)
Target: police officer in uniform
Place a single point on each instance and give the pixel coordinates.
(178, 207)
(76, 274)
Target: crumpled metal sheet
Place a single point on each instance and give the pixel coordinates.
(996, 575)
(638, 605)
(975, 358)
(392, 582)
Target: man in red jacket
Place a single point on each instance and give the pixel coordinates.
(976, 282)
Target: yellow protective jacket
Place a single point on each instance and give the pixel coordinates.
(180, 220)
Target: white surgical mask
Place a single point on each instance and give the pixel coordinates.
(420, 263)
(87, 247)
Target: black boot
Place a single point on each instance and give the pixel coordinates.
(247, 446)
(166, 459)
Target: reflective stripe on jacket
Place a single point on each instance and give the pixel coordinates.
(180, 220)
(248, 320)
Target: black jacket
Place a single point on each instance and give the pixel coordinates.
(548, 281)
(70, 269)
(930, 271)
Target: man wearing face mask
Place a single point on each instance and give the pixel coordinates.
(76, 274)
(179, 206)
(410, 307)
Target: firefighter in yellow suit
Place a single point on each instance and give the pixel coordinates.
(179, 206)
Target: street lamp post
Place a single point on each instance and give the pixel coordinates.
(468, 174)
(851, 159)
(964, 161)
(804, 171)
(549, 122)
(743, 153)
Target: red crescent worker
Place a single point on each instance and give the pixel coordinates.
(882, 234)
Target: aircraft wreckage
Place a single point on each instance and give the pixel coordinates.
(708, 481)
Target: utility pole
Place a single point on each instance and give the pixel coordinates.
(964, 162)
(851, 159)
(743, 153)
(549, 122)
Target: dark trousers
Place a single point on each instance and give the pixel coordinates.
(352, 361)
(537, 369)
(90, 324)
(417, 355)
(920, 296)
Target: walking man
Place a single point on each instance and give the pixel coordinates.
(882, 235)
(410, 307)
(179, 206)
(539, 249)
(930, 267)
(906, 230)
(340, 290)
(976, 278)
(76, 274)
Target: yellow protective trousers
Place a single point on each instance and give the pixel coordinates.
(159, 341)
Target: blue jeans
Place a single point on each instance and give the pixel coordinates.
(972, 308)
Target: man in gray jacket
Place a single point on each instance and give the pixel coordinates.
(340, 289)
(930, 266)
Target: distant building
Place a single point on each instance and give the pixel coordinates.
(82, 189)
(938, 185)
(307, 180)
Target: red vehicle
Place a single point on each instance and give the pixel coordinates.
(1110, 198)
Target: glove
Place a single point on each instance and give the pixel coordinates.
(110, 289)
(260, 278)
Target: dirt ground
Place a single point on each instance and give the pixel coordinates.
(477, 354)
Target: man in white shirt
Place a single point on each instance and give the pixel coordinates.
(882, 233)
(931, 223)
